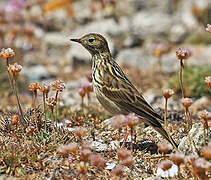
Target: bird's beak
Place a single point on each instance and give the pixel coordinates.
(76, 40)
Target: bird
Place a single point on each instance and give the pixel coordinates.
(113, 89)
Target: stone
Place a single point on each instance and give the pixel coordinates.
(184, 13)
(99, 146)
(153, 178)
(146, 24)
(36, 73)
(104, 27)
(197, 136)
(199, 103)
(136, 57)
(55, 44)
(177, 33)
(110, 165)
(170, 63)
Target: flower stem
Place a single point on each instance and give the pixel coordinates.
(44, 109)
(18, 101)
(165, 115)
(35, 112)
(187, 118)
(54, 130)
(131, 136)
(56, 97)
(180, 76)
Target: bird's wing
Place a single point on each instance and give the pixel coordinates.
(120, 90)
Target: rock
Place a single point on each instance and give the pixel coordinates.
(146, 24)
(136, 57)
(201, 55)
(151, 132)
(114, 145)
(132, 41)
(82, 6)
(110, 165)
(177, 33)
(99, 146)
(77, 51)
(153, 178)
(36, 73)
(199, 104)
(104, 27)
(107, 122)
(55, 44)
(197, 136)
(64, 124)
(165, 6)
(170, 63)
(184, 13)
(172, 172)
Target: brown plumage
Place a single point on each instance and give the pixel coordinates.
(113, 89)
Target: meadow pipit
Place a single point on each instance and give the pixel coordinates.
(113, 89)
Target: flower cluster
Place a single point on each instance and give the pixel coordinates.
(208, 28)
(44, 87)
(167, 169)
(7, 53)
(200, 165)
(208, 81)
(34, 86)
(51, 102)
(121, 121)
(58, 85)
(125, 160)
(14, 69)
(183, 53)
(81, 154)
(187, 102)
(86, 89)
(167, 93)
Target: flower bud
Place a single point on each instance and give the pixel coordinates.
(183, 53)
(167, 93)
(82, 92)
(208, 81)
(208, 28)
(187, 102)
(177, 158)
(165, 165)
(164, 148)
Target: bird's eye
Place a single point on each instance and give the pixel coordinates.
(91, 40)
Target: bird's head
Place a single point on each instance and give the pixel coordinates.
(94, 43)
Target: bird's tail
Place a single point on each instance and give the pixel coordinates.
(166, 136)
(149, 117)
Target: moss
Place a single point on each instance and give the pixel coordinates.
(193, 80)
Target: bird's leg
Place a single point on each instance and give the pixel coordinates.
(134, 136)
(125, 139)
(131, 135)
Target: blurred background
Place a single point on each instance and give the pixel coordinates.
(142, 35)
